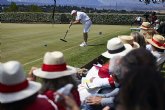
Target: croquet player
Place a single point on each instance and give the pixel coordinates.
(81, 17)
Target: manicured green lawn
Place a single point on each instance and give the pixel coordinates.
(25, 42)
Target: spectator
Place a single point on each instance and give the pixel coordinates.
(97, 81)
(157, 24)
(56, 74)
(139, 39)
(161, 29)
(129, 40)
(131, 63)
(106, 95)
(136, 58)
(158, 47)
(138, 21)
(142, 89)
(147, 31)
(17, 93)
(146, 17)
(153, 18)
(116, 47)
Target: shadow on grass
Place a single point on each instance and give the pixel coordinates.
(95, 44)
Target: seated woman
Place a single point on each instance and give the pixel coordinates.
(17, 93)
(139, 38)
(142, 89)
(55, 73)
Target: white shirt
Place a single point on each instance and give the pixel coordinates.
(138, 18)
(83, 17)
(160, 56)
(149, 47)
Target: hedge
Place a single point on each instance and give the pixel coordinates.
(97, 18)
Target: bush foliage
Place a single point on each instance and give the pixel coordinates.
(97, 18)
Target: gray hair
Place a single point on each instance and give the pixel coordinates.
(115, 66)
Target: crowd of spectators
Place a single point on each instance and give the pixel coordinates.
(131, 79)
(146, 17)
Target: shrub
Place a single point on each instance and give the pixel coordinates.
(97, 18)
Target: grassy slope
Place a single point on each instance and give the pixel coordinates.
(25, 42)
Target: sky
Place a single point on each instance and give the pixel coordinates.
(103, 2)
(107, 3)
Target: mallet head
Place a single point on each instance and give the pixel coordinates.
(63, 40)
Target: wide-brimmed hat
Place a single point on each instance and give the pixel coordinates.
(54, 66)
(116, 47)
(73, 11)
(129, 40)
(145, 25)
(157, 41)
(13, 83)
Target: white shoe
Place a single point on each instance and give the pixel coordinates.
(83, 44)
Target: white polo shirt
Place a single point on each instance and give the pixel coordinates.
(83, 17)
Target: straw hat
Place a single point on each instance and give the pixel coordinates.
(145, 25)
(54, 66)
(157, 41)
(116, 47)
(73, 11)
(129, 40)
(13, 83)
(146, 30)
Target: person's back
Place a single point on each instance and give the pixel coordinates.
(142, 89)
(16, 92)
(55, 74)
(39, 101)
(139, 38)
(83, 17)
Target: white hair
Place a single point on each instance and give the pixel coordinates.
(115, 67)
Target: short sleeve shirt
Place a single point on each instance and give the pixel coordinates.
(83, 17)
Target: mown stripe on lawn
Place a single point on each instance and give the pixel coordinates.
(61, 51)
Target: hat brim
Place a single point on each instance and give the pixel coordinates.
(141, 27)
(152, 43)
(108, 55)
(33, 88)
(51, 75)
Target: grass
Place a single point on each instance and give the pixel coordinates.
(25, 42)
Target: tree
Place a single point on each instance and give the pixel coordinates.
(12, 8)
(35, 8)
(153, 1)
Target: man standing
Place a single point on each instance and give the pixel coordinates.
(81, 17)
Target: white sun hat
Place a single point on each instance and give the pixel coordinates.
(73, 11)
(116, 47)
(13, 84)
(54, 66)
